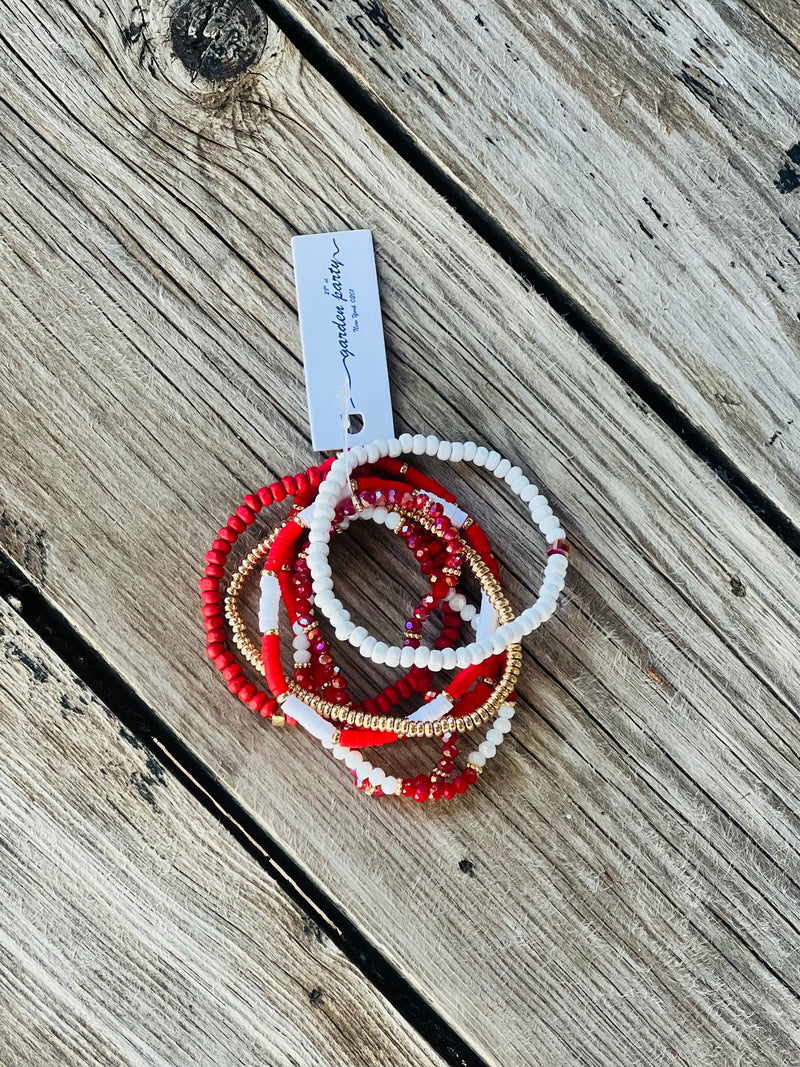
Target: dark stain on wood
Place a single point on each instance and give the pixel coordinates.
(788, 177)
(218, 39)
(379, 18)
(145, 782)
(738, 588)
(467, 867)
(313, 929)
(316, 996)
(36, 668)
(69, 707)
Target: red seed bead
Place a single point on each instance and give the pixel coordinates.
(223, 660)
(269, 708)
(211, 611)
(247, 692)
(211, 596)
(278, 492)
(233, 670)
(219, 545)
(215, 636)
(209, 583)
(213, 556)
(251, 501)
(302, 483)
(213, 570)
(213, 622)
(314, 475)
(289, 484)
(236, 524)
(245, 514)
(235, 684)
(215, 649)
(449, 791)
(257, 701)
(227, 534)
(265, 496)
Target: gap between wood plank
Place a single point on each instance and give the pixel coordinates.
(104, 682)
(491, 230)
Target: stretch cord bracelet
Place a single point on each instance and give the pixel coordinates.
(336, 487)
(370, 496)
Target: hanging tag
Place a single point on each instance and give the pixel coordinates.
(342, 336)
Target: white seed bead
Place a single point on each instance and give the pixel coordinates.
(395, 448)
(511, 475)
(463, 658)
(367, 646)
(363, 770)
(406, 442)
(556, 534)
(393, 520)
(448, 659)
(407, 657)
(435, 660)
(302, 657)
(339, 617)
(468, 612)
(444, 451)
(421, 656)
(393, 657)
(506, 711)
(518, 484)
(492, 460)
(470, 448)
(477, 758)
(502, 468)
(352, 759)
(344, 630)
(377, 776)
(418, 448)
(487, 749)
(458, 601)
(495, 737)
(431, 445)
(339, 752)
(498, 643)
(357, 636)
(373, 453)
(481, 455)
(379, 652)
(541, 512)
(321, 585)
(301, 642)
(528, 493)
(550, 523)
(457, 453)
(390, 785)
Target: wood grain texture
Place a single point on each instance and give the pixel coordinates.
(646, 155)
(623, 887)
(134, 929)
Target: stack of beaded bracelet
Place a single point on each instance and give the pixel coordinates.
(372, 482)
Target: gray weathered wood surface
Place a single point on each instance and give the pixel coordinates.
(623, 885)
(647, 156)
(134, 929)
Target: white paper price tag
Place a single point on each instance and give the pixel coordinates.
(342, 336)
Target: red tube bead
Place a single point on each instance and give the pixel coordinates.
(356, 738)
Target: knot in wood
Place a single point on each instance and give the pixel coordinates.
(218, 38)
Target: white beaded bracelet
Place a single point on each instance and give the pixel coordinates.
(336, 487)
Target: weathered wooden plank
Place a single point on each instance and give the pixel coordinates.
(624, 884)
(646, 156)
(134, 930)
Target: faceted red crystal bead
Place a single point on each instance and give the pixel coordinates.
(408, 787)
(461, 786)
(449, 791)
(437, 790)
(470, 775)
